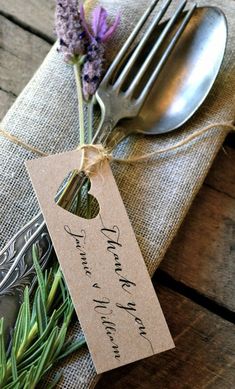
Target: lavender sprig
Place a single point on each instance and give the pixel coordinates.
(84, 47)
(93, 68)
(77, 39)
(73, 42)
(69, 28)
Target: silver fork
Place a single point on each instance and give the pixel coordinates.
(115, 105)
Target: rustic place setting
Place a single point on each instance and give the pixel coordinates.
(102, 155)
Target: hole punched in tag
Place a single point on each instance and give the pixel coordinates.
(77, 199)
(89, 266)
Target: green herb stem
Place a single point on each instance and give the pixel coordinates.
(64, 200)
(90, 119)
(77, 71)
(54, 288)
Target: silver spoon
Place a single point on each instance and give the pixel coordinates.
(185, 80)
(181, 87)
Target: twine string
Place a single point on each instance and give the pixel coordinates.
(21, 143)
(228, 126)
(102, 154)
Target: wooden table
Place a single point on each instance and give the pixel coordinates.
(195, 283)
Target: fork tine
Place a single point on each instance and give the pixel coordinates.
(154, 50)
(122, 77)
(129, 41)
(165, 56)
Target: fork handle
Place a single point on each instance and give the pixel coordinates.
(103, 131)
(115, 137)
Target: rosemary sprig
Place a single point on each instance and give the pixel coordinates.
(40, 331)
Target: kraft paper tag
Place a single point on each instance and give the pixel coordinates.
(103, 267)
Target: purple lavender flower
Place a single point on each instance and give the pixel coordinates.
(93, 68)
(70, 31)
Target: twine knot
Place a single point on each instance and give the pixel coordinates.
(89, 166)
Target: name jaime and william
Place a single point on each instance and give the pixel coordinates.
(103, 306)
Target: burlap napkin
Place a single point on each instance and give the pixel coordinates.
(157, 195)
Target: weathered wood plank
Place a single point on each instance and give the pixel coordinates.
(204, 356)
(38, 15)
(203, 254)
(222, 174)
(20, 55)
(6, 100)
(230, 140)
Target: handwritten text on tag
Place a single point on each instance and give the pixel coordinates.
(106, 275)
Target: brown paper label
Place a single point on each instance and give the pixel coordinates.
(103, 267)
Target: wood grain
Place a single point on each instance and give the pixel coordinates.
(34, 14)
(204, 356)
(222, 174)
(20, 55)
(6, 101)
(203, 254)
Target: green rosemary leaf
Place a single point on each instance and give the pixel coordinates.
(44, 359)
(61, 310)
(26, 314)
(63, 290)
(19, 329)
(55, 381)
(49, 280)
(37, 344)
(69, 312)
(54, 288)
(41, 314)
(41, 282)
(29, 378)
(70, 348)
(32, 359)
(13, 364)
(2, 352)
(60, 339)
(33, 310)
(46, 277)
(18, 383)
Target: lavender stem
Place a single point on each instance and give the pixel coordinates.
(90, 119)
(77, 71)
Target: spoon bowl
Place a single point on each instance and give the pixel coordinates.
(187, 76)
